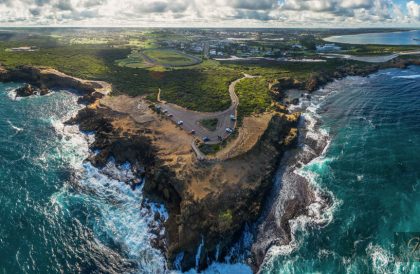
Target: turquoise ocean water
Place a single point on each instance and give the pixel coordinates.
(372, 169)
(61, 215)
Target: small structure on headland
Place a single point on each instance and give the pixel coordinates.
(24, 49)
(328, 48)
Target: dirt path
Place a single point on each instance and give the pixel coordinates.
(191, 119)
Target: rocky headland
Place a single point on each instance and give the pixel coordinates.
(209, 201)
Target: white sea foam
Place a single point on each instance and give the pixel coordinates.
(74, 146)
(125, 216)
(380, 258)
(407, 76)
(221, 268)
(319, 213)
(18, 129)
(11, 93)
(198, 254)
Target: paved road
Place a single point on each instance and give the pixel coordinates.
(192, 119)
(371, 59)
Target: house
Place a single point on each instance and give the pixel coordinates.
(328, 47)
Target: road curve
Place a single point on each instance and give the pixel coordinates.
(191, 119)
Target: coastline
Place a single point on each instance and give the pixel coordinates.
(88, 89)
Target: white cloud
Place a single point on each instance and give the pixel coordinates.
(300, 13)
(413, 10)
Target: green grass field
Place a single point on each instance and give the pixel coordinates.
(134, 60)
(200, 87)
(158, 58)
(210, 124)
(171, 58)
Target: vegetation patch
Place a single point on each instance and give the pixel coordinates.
(209, 124)
(195, 89)
(134, 60)
(210, 149)
(225, 218)
(254, 96)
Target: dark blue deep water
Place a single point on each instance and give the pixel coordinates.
(372, 168)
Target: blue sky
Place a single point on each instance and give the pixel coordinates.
(202, 13)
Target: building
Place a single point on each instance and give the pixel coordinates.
(328, 47)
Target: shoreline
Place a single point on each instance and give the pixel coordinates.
(320, 83)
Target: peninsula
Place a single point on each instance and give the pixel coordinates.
(205, 138)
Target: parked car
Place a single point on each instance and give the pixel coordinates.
(206, 139)
(192, 131)
(232, 117)
(229, 130)
(170, 115)
(180, 123)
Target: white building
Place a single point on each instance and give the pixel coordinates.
(328, 47)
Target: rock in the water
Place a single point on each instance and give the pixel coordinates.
(29, 90)
(25, 91)
(295, 101)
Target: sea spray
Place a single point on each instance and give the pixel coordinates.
(124, 219)
(296, 181)
(370, 170)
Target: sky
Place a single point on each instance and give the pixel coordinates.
(211, 13)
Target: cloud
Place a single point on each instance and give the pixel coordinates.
(160, 6)
(64, 5)
(413, 10)
(299, 13)
(252, 4)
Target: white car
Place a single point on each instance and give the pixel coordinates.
(180, 123)
(232, 117)
(229, 130)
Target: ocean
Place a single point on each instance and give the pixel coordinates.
(59, 214)
(370, 167)
(380, 38)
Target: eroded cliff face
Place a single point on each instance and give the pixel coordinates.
(217, 198)
(319, 79)
(209, 202)
(41, 79)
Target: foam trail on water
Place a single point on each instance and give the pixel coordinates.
(125, 217)
(408, 77)
(18, 129)
(297, 183)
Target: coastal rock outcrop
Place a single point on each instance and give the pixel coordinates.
(29, 90)
(41, 79)
(209, 202)
(214, 200)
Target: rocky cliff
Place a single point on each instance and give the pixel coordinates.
(209, 202)
(41, 79)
